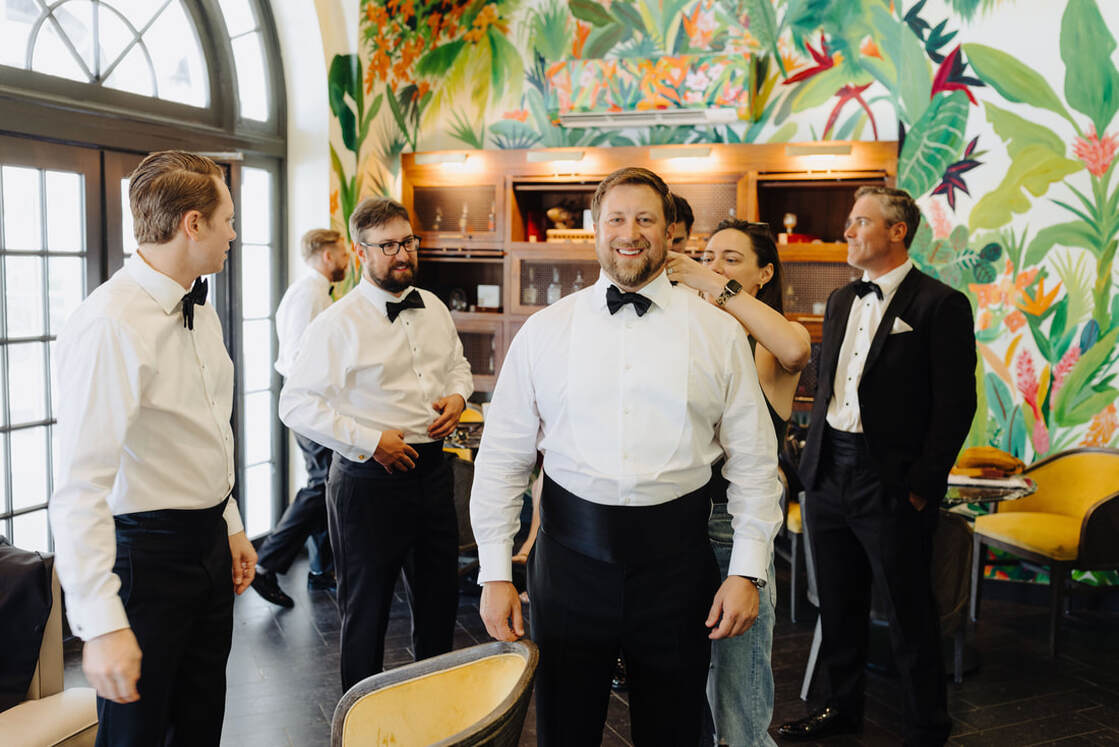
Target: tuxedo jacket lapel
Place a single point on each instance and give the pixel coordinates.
(903, 296)
(835, 327)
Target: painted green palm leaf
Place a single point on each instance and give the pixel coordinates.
(1019, 132)
(1014, 80)
(1077, 402)
(934, 142)
(1091, 80)
(763, 25)
(344, 80)
(1075, 233)
(903, 67)
(1034, 169)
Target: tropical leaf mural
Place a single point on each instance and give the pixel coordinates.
(1010, 144)
(1011, 148)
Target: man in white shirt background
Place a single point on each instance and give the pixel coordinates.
(381, 379)
(149, 545)
(327, 257)
(632, 389)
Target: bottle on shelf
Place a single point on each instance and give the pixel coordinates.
(579, 283)
(555, 290)
(492, 221)
(464, 220)
(437, 224)
(528, 293)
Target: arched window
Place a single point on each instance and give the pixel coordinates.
(116, 79)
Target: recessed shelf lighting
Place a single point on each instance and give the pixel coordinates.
(681, 151)
(819, 149)
(545, 156)
(424, 159)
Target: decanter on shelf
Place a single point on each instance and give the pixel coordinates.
(491, 222)
(555, 290)
(464, 220)
(579, 283)
(529, 294)
(437, 224)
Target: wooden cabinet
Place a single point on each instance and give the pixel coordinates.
(484, 221)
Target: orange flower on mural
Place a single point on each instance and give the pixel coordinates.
(984, 320)
(582, 31)
(1096, 153)
(1102, 428)
(520, 115)
(334, 201)
(869, 49)
(421, 90)
(407, 10)
(1015, 320)
(1037, 305)
(377, 15)
(700, 26)
(986, 295)
(379, 64)
(433, 23)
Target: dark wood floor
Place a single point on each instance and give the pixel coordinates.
(283, 675)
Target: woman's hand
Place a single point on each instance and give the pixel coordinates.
(683, 269)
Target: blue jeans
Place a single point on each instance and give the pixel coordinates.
(740, 683)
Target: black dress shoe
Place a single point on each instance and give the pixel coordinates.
(324, 581)
(823, 723)
(266, 585)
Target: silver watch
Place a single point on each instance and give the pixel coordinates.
(757, 582)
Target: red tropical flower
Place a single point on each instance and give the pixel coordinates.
(950, 76)
(1097, 153)
(823, 60)
(845, 94)
(953, 178)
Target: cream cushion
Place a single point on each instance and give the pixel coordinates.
(66, 718)
(432, 707)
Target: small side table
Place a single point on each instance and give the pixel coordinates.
(986, 492)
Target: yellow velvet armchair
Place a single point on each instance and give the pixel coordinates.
(1072, 521)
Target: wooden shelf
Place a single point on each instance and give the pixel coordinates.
(519, 193)
(477, 316)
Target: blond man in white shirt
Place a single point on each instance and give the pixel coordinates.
(632, 389)
(149, 545)
(327, 257)
(381, 378)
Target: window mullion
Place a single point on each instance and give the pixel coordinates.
(69, 45)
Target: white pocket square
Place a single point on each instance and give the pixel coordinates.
(899, 326)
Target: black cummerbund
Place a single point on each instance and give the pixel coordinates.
(624, 534)
(172, 530)
(430, 457)
(846, 448)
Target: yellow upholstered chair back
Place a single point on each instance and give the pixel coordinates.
(1070, 483)
(472, 696)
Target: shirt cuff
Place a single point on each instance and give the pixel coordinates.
(89, 619)
(495, 562)
(750, 557)
(232, 518)
(363, 454)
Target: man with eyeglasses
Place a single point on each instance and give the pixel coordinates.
(381, 378)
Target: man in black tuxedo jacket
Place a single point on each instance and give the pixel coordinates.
(895, 399)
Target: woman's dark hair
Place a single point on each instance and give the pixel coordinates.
(765, 249)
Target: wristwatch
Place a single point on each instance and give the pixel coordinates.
(757, 582)
(731, 289)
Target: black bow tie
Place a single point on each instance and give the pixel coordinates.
(411, 301)
(197, 295)
(615, 300)
(862, 287)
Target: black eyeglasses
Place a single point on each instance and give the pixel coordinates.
(391, 248)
